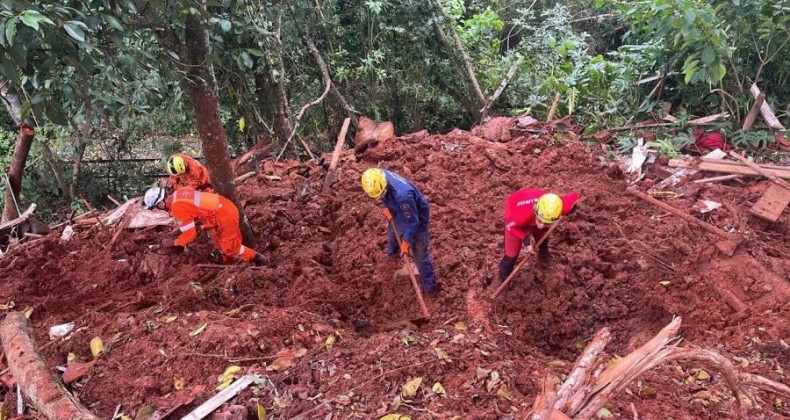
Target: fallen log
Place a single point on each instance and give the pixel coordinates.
(582, 370)
(33, 376)
(666, 207)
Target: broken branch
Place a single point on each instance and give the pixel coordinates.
(666, 207)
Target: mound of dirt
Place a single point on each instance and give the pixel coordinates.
(321, 320)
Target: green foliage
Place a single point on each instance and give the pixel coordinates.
(686, 27)
(756, 139)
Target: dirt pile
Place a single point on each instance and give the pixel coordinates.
(328, 292)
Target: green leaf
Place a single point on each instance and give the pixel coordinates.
(7, 69)
(246, 59)
(225, 25)
(25, 109)
(32, 18)
(10, 31)
(73, 29)
(256, 52)
(113, 22)
(708, 56)
(689, 15)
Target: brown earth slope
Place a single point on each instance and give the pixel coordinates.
(617, 262)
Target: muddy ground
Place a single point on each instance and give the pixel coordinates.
(617, 262)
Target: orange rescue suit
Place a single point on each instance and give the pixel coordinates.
(213, 212)
(196, 175)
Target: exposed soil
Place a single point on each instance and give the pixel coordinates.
(327, 274)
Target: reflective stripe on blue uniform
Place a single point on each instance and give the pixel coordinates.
(412, 215)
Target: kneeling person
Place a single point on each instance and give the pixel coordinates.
(211, 211)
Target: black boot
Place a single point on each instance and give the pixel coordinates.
(506, 267)
(258, 260)
(544, 256)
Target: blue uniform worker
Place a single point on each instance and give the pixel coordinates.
(410, 212)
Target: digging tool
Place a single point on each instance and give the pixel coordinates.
(409, 267)
(523, 262)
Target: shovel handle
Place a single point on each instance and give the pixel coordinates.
(521, 263)
(409, 261)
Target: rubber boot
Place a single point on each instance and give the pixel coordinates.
(506, 267)
(258, 260)
(544, 256)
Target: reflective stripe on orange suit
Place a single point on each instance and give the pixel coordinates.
(196, 175)
(212, 212)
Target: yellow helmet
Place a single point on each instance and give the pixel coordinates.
(374, 182)
(176, 165)
(548, 208)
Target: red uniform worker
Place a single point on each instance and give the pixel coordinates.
(211, 211)
(528, 211)
(187, 172)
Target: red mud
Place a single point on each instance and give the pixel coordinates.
(327, 269)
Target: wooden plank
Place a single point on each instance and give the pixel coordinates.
(728, 168)
(222, 397)
(758, 102)
(761, 171)
(771, 205)
(765, 109)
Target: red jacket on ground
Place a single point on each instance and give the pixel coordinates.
(520, 216)
(213, 212)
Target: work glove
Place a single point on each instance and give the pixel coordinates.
(404, 248)
(387, 214)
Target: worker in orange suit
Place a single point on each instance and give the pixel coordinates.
(210, 211)
(187, 172)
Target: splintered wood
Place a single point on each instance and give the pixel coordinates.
(592, 384)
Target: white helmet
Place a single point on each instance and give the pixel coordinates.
(153, 196)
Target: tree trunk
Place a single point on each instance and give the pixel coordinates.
(466, 100)
(77, 166)
(282, 116)
(57, 171)
(270, 103)
(201, 85)
(24, 139)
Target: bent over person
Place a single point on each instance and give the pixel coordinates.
(407, 209)
(185, 171)
(217, 214)
(528, 212)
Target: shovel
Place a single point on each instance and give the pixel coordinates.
(523, 262)
(426, 316)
